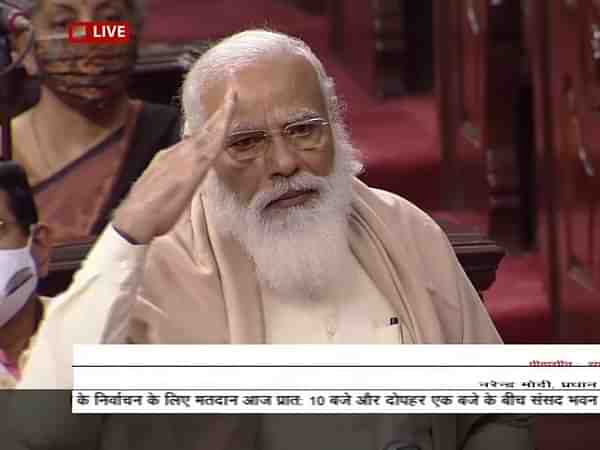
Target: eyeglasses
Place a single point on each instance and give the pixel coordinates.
(304, 135)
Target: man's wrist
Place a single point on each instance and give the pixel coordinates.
(127, 236)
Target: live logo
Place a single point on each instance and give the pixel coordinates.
(99, 32)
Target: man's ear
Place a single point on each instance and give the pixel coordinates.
(20, 43)
(41, 247)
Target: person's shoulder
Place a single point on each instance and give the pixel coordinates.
(159, 124)
(160, 108)
(396, 210)
(156, 112)
(22, 138)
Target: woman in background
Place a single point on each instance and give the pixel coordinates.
(85, 142)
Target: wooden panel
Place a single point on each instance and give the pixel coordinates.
(478, 255)
(448, 82)
(575, 85)
(419, 38)
(471, 135)
(504, 79)
(473, 41)
(391, 47)
(481, 91)
(537, 38)
(352, 35)
(160, 69)
(386, 44)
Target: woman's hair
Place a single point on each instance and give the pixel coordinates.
(136, 7)
(13, 181)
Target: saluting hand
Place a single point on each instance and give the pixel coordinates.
(161, 194)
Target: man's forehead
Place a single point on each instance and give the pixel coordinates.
(273, 88)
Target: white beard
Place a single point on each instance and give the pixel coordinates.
(298, 251)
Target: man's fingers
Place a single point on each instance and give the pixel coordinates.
(211, 140)
(173, 176)
(214, 131)
(224, 126)
(196, 153)
(230, 104)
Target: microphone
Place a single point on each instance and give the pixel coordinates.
(12, 20)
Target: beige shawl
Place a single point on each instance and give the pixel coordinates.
(199, 288)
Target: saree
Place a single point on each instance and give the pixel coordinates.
(75, 198)
(77, 202)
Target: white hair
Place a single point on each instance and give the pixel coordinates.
(243, 49)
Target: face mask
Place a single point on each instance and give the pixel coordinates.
(18, 281)
(88, 77)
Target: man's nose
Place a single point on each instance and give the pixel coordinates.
(282, 157)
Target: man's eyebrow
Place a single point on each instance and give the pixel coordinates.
(304, 114)
(241, 127)
(296, 116)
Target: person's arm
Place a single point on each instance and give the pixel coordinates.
(105, 286)
(96, 307)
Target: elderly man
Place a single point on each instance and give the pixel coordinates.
(282, 244)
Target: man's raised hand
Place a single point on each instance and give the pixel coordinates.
(161, 194)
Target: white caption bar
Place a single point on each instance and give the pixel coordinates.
(337, 379)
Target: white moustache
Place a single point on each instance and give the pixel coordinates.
(299, 183)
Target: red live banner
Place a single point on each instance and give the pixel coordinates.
(106, 32)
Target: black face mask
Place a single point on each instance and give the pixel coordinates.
(88, 77)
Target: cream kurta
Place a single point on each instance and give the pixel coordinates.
(199, 288)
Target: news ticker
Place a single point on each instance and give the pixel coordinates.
(342, 379)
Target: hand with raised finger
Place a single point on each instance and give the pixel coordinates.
(165, 189)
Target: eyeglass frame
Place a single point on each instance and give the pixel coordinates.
(269, 134)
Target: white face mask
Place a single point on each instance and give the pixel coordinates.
(18, 281)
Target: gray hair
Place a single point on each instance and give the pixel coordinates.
(240, 50)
